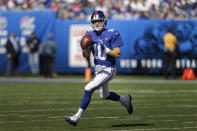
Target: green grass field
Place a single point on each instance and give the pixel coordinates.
(165, 106)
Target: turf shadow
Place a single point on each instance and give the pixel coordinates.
(130, 125)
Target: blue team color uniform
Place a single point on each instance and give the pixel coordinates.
(109, 38)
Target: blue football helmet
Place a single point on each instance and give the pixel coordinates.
(98, 16)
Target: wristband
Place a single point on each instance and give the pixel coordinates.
(107, 50)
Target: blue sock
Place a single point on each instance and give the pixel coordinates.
(113, 96)
(86, 99)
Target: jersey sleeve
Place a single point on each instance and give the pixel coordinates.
(116, 40)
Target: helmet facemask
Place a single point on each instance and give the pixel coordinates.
(98, 16)
(104, 21)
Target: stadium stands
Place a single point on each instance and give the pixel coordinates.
(114, 9)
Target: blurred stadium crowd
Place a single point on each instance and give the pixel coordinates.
(114, 9)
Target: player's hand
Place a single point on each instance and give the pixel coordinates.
(106, 50)
(85, 52)
(9, 56)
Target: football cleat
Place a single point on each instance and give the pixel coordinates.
(128, 105)
(72, 120)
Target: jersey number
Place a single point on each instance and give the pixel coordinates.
(99, 54)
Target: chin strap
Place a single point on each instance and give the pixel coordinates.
(103, 25)
(97, 29)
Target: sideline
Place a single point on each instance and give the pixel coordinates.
(80, 80)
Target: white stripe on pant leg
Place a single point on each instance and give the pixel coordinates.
(110, 76)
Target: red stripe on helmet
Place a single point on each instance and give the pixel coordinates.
(95, 14)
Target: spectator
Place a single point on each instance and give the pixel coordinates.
(170, 43)
(135, 5)
(89, 8)
(193, 11)
(38, 6)
(49, 49)
(101, 6)
(80, 9)
(33, 47)
(26, 5)
(12, 47)
(11, 4)
(143, 15)
(154, 13)
(118, 15)
(54, 6)
(143, 6)
(62, 12)
(3, 5)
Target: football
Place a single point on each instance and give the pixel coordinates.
(86, 41)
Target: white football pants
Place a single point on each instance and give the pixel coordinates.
(102, 77)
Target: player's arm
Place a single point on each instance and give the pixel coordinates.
(86, 52)
(115, 52)
(116, 42)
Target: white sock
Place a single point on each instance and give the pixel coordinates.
(79, 113)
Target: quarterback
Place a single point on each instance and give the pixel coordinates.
(105, 47)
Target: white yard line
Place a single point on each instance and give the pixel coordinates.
(156, 91)
(60, 118)
(107, 108)
(99, 117)
(190, 122)
(156, 129)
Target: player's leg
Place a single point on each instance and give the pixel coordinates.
(97, 82)
(100, 79)
(31, 63)
(109, 95)
(173, 64)
(167, 64)
(73, 120)
(36, 63)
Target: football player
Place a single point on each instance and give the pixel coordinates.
(105, 48)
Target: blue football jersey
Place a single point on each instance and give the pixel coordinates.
(110, 38)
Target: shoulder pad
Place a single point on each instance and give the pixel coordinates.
(113, 32)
